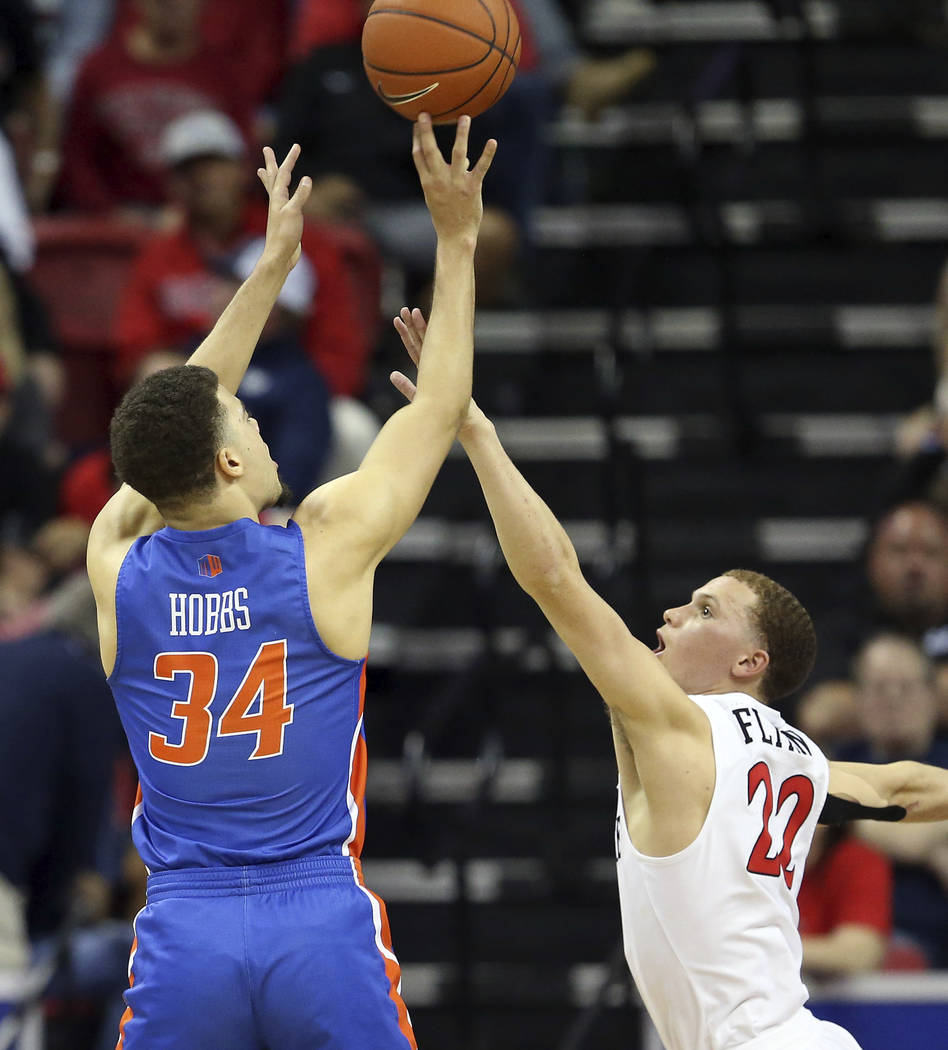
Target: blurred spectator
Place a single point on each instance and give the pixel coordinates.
(77, 27)
(367, 176)
(61, 736)
(845, 905)
(253, 34)
(903, 588)
(317, 344)
(31, 387)
(587, 84)
(128, 91)
(27, 130)
(896, 707)
(922, 440)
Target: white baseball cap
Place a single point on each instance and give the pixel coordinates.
(202, 133)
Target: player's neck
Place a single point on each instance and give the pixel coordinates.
(224, 508)
(734, 686)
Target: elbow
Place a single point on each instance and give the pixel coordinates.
(903, 783)
(549, 575)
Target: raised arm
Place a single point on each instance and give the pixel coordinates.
(543, 561)
(226, 350)
(375, 505)
(231, 342)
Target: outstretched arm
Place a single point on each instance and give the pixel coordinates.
(375, 505)
(921, 790)
(230, 344)
(544, 563)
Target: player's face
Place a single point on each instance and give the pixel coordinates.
(260, 476)
(700, 643)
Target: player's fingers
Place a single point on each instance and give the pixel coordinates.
(409, 337)
(303, 190)
(486, 159)
(417, 152)
(429, 144)
(282, 182)
(270, 162)
(459, 152)
(419, 322)
(403, 385)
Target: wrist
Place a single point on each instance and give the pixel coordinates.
(475, 427)
(272, 266)
(458, 243)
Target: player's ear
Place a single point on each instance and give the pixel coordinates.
(752, 664)
(229, 462)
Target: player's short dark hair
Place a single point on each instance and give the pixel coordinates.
(165, 434)
(786, 631)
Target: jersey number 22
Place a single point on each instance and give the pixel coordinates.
(761, 860)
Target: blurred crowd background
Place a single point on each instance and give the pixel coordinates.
(713, 327)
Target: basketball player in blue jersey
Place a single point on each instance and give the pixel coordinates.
(236, 655)
(718, 795)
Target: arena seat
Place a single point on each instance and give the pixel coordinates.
(82, 311)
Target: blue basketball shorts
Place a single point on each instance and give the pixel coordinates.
(281, 956)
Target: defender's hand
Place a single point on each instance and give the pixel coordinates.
(411, 326)
(452, 192)
(285, 217)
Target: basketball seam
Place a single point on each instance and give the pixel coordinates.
(493, 72)
(471, 98)
(491, 44)
(503, 82)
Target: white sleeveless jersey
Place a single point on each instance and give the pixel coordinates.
(711, 932)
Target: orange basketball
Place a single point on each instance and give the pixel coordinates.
(443, 57)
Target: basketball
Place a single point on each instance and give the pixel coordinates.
(443, 57)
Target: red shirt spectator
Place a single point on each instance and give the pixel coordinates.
(172, 298)
(126, 94)
(850, 883)
(87, 485)
(252, 33)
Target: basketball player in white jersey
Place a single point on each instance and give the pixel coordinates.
(718, 795)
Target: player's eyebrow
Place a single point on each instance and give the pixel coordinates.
(243, 408)
(703, 597)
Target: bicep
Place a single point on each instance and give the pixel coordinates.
(392, 483)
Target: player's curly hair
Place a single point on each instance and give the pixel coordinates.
(165, 434)
(786, 631)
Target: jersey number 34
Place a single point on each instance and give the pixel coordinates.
(259, 706)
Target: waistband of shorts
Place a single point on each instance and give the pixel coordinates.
(254, 878)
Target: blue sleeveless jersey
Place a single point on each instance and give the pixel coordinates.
(246, 730)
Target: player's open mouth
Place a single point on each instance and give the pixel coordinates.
(660, 648)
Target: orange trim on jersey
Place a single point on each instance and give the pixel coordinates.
(392, 970)
(357, 778)
(127, 1016)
